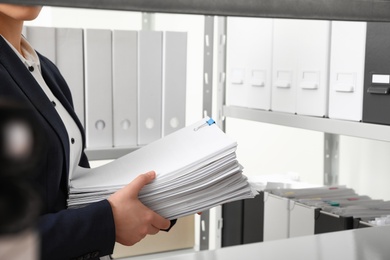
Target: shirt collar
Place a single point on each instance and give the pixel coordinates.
(29, 57)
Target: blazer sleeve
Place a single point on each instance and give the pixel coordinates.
(84, 233)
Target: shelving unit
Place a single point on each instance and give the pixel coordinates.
(354, 10)
(351, 10)
(363, 10)
(331, 126)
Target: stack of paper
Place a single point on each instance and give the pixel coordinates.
(196, 169)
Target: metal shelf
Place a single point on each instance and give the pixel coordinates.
(358, 10)
(331, 126)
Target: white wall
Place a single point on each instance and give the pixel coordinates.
(365, 166)
(270, 149)
(45, 18)
(87, 18)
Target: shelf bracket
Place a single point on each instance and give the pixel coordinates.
(331, 159)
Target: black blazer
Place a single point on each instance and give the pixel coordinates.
(85, 233)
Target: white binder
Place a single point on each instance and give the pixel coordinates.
(70, 61)
(276, 217)
(149, 86)
(175, 79)
(313, 67)
(98, 88)
(300, 66)
(249, 60)
(124, 88)
(284, 59)
(302, 219)
(347, 61)
(43, 40)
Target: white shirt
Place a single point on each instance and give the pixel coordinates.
(31, 60)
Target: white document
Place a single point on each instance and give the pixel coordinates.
(175, 81)
(70, 61)
(98, 88)
(196, 169)
(149, 86)
(124, 88)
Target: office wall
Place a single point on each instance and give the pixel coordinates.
(364, 166)
(271, 149)
(268, 149)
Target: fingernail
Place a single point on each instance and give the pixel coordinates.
(151, 174)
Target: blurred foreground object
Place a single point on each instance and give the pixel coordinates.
(21, 147)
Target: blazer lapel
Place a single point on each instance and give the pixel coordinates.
(34, 92)
(53, 84)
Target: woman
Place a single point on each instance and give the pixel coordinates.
(89, 232)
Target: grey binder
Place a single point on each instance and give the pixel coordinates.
(376, 100)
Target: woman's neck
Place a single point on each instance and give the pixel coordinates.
(12, 31)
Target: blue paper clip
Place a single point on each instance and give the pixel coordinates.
(208, 122)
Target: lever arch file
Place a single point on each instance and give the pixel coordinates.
(149, 86)
(124, 60)
(196, 169)
(175, 79)
(70, 61)
(98, 88)
(43, 40)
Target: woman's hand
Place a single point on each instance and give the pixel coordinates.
(133, 220)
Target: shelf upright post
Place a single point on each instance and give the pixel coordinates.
(208, 44)
(208, 64)
(215, 218)
(331, 159)
(221, 85)
(148, 21)
(211, 220)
